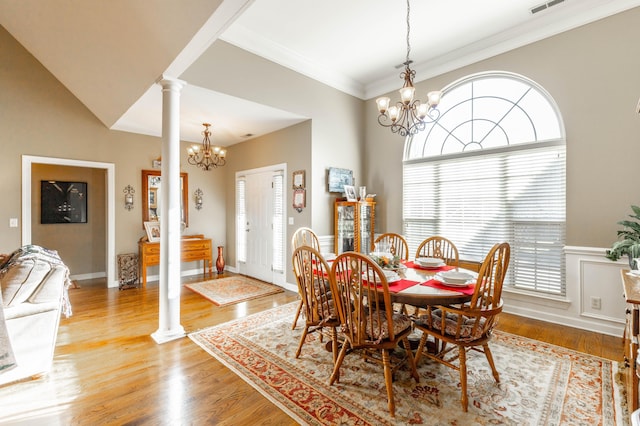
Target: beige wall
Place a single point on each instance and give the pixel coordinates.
(81, 245)
(592, 72)
(290, 146)
(41, 117)
(336, 118)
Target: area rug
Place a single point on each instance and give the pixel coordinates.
(229, 290)
(540, 384)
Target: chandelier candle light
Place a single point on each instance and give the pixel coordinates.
(408, 116)
(208, 157)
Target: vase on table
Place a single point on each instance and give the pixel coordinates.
(220, 261)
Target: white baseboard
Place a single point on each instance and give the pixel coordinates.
(93, 275)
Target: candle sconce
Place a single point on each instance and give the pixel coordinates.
(198, 196)
(128, 197)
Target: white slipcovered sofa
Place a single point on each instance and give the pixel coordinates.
(34, 283)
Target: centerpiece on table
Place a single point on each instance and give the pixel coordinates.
(386, 260)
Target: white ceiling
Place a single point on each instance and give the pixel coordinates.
(110, 54)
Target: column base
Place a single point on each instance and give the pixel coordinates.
(164, 337)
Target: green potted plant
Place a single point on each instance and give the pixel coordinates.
(628, 239)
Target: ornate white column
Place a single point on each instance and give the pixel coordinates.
(170, 217)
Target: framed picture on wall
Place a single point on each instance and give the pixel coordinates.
(298, 179)
(153, 231)
(338, 178)
(299, 200)
(63, 202)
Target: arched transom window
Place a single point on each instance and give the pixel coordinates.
(492, 169)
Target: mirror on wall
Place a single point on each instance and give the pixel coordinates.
(151, 196)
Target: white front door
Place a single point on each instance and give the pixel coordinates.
(259, 231)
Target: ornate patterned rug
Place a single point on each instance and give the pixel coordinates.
(236, 289)
(540, 384)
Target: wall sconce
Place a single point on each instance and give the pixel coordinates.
(128, 197)
(198, 195)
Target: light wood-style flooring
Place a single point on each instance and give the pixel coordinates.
(108, 370)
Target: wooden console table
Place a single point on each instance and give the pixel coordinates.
(193, 248)
(631, 285)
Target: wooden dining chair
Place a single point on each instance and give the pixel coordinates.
(303, 237)
(397, 244)
(469, 326)
(312, 274)
(439, 247)
(367, 320)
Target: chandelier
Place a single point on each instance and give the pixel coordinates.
(408, 116)
(208, 157)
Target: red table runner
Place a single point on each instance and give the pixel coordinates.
(400, 285)
(397, 286)
(468, 290)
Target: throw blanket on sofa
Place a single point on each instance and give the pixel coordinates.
(7, 360)
(29, 254)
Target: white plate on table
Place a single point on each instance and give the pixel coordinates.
(391, 276)
(430, 262)
(455, 278)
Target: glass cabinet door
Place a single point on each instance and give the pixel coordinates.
(345, 235)
(365, 228)
(354, 225)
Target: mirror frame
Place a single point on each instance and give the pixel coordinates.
(145, 194)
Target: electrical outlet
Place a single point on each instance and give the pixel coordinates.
(596, 302)
(13, 222)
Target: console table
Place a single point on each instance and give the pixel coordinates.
(193, 248)
(631, 285)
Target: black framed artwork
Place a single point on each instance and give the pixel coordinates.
(63, 202)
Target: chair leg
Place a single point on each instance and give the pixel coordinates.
(463, 377)
(295, 320)
(336, 368)
(388, 380)
(412, 361)
(334, 344)
(421, 346)
(302, 339)
(487, 353)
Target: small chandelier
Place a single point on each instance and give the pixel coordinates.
(408, 116)
(208, 157)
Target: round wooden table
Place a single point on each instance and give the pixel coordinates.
(424, 295)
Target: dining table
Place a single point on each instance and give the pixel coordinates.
(421, 287)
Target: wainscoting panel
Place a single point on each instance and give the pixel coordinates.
(589, 275)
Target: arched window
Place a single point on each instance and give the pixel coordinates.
(492, 169)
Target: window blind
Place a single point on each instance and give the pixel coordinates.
(278, 222)
(514, 195)
(241, 219)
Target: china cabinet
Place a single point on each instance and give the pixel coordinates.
(353, 225)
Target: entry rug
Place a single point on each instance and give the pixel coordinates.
(540, 384)
(236, 289)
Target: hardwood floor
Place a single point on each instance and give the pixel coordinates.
(108, 370)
